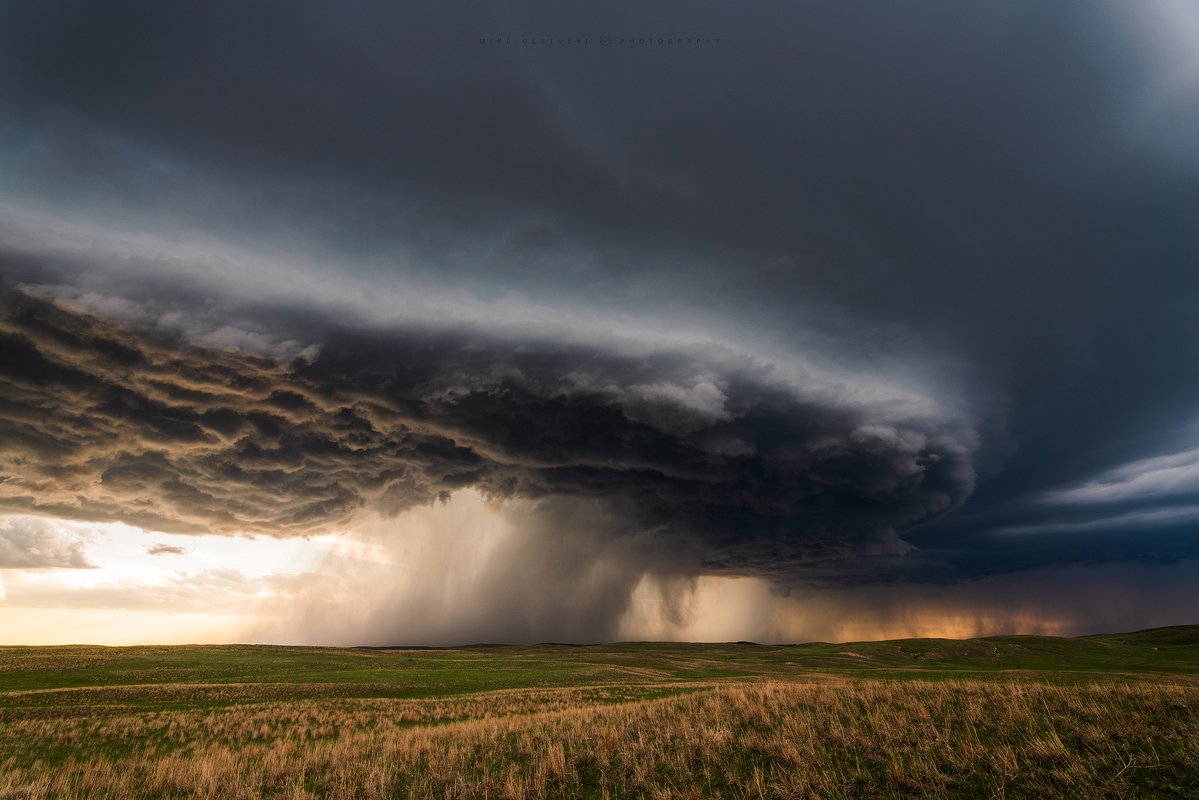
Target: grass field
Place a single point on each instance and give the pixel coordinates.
(1003, 717)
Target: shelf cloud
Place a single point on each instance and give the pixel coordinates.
(751, 471)
(887, 302)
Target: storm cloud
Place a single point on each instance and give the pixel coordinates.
(828, 296)
(751, 470)
(32, 543)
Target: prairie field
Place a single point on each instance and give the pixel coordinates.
(1001, 717)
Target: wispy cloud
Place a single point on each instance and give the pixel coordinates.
(1161, 476)
(166, 550)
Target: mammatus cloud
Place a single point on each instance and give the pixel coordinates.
(30, 543)
(737, 467)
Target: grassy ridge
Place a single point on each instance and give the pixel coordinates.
(1000, 716)
(423, 673)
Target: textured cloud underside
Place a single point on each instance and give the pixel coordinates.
(699, 447)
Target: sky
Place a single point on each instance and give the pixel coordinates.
(437, 323)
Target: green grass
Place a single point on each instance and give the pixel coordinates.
(433, 673)
(105, 716)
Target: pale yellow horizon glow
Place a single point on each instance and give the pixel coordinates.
(201, 589)
(116, 627)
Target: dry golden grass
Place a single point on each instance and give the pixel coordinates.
(836, 739)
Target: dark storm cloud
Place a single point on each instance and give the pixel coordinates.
(705, 449)
(988, 201)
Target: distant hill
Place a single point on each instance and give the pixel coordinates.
(1175, 635)
(413, 672)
